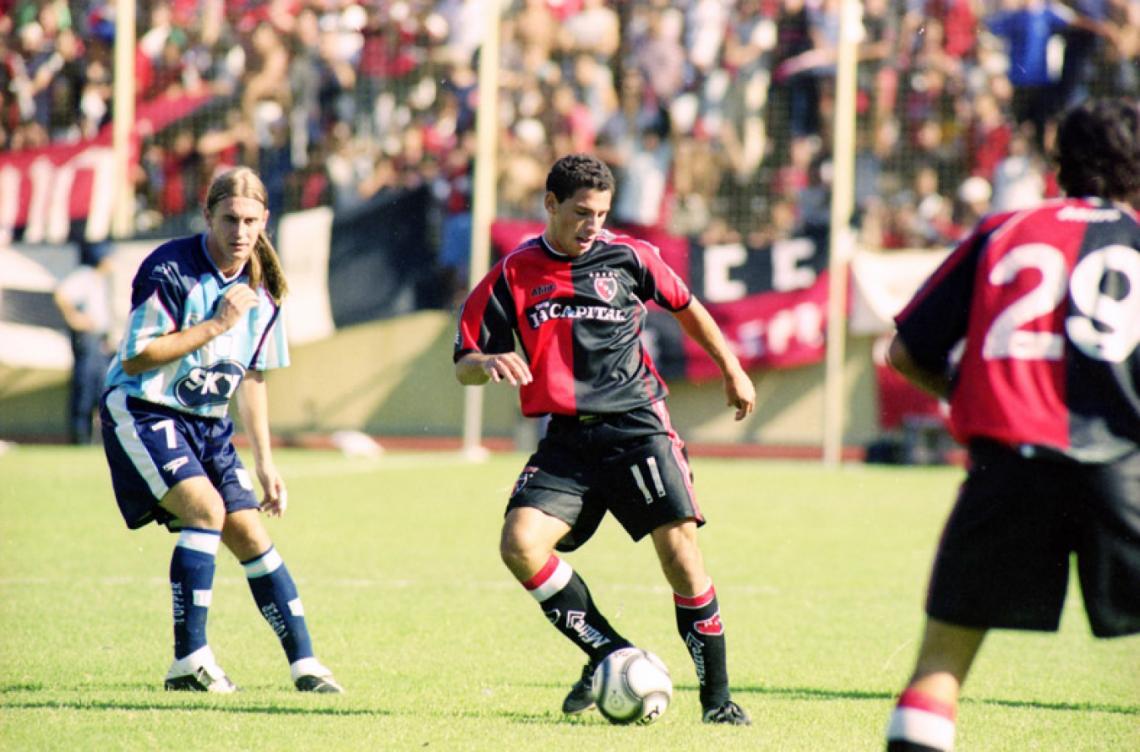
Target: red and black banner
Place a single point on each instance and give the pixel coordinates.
(44, 191)
(770, 301)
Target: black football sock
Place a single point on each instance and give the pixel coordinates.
(565, 599)
(699, 624)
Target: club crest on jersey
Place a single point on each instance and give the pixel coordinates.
(605, 285)
(209, 386)
(524, 478)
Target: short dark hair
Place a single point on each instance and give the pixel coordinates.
(1098, 149)
(576, 171)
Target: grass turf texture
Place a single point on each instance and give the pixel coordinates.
(821, 576)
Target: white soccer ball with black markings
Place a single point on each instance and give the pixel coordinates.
(632, 686)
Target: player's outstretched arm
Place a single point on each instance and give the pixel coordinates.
(900, 359)
(476, 369)
(253, 406)
(698, 323)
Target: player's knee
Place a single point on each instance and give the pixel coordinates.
(512, 549)
(245, 536)
(194, 502)
(519, 545)
(202, 514)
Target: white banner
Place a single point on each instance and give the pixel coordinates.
(885, 281)
(303, 243)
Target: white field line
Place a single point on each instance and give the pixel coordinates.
(349, 583)
(341, 465)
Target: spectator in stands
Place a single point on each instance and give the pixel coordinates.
(1018, 180)
(267, 68)
(792, 76)
(644, 179)
(595, 29)
(64, 90)
(457, 175)
(988, 135)
(659, 56)
(1027, 26)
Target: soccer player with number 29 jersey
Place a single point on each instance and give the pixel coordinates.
(205, 325)
(1031, 329)
(574, 299)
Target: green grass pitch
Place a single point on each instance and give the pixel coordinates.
(820, 574)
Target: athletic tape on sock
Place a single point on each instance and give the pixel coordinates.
(265, 564)
(202, 541)
(549, 580)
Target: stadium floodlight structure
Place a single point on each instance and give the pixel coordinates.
(841, 237)
(123, 119)
(484, 199)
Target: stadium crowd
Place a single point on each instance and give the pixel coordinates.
(714, 114)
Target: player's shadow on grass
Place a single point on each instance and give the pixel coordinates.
(218, 706)
(820, 693)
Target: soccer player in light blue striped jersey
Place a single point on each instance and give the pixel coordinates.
(205, 326)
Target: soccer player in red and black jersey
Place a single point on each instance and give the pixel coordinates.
(1045, 393)
(574, 299)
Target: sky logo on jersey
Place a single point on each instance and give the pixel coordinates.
(552, 310)
(209, 386)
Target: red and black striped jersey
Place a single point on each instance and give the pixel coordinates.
(1047, 301)
(578, 322)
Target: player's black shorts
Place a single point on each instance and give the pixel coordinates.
(631, 464)
(1003, 561)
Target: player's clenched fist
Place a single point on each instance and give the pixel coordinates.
(234, 303)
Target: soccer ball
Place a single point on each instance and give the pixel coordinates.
(632, 686)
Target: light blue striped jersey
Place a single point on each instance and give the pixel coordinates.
(176, 287)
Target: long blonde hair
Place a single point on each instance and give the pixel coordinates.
(264, 265)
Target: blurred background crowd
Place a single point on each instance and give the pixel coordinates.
(714, 114)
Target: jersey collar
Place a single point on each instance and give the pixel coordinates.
(546, 246)
(210, 260)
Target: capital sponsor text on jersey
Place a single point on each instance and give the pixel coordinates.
(550, 310)
(209, 386)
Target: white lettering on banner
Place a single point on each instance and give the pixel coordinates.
(52, 193)
(786, 272)
(800, 325)
(719, 260)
